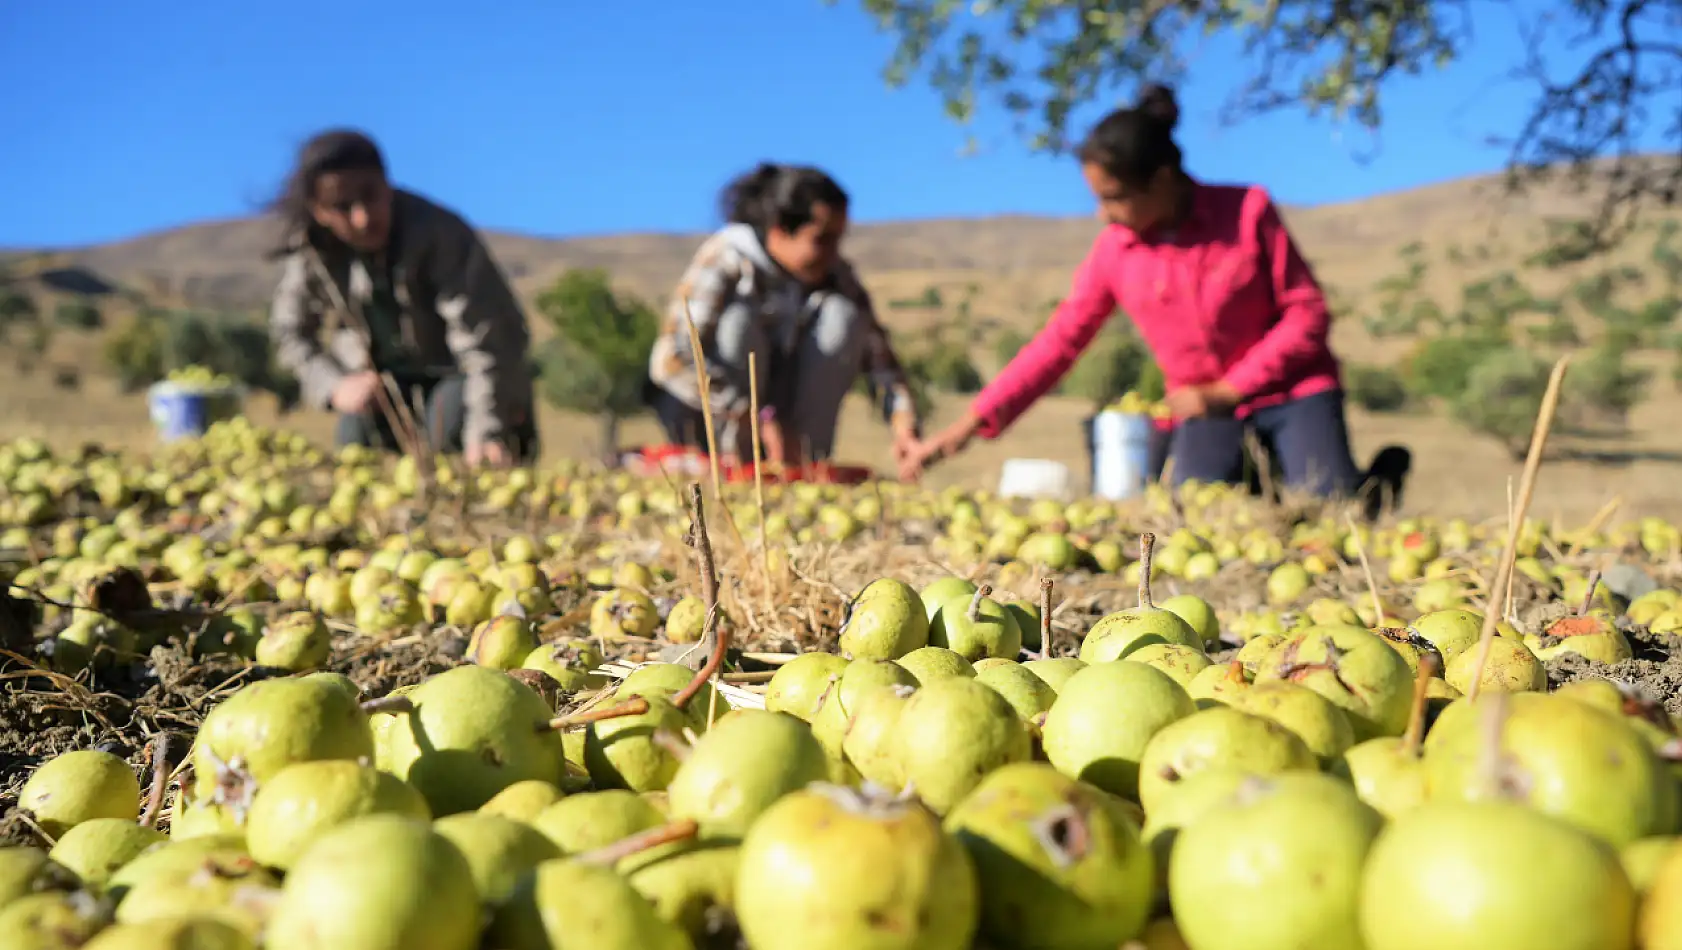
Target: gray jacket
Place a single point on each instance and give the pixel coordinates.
(457, 315)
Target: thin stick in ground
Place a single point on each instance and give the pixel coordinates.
(758, 476)
(1045, 619)
(1501, 585)
(1366, 570)
(705, 566)
(1415, 733)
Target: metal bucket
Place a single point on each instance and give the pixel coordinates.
(1120, 447)
(186, 412)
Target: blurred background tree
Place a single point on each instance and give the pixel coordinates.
(597, 361)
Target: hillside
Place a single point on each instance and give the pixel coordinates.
(221, 263)
(993, 272)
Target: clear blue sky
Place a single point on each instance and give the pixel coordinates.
(575, 117)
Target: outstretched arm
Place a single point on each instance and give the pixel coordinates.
(1303, 324)
(1048, 356)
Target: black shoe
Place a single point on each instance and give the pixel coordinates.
(1381, 486)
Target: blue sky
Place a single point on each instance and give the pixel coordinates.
(575, 117)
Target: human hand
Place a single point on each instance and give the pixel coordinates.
(941, 446)
(772, 443)
(1192, 402)
(906, 442)
(490, 454)
(355, 393)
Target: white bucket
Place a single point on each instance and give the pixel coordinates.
(1121, 452)
(1036, 478)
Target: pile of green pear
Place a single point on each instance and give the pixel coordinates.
(969, 762)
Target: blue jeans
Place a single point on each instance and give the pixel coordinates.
(1307, 437)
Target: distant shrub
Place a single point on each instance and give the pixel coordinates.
(1007, 344)
(1502, 396)
(1375, 388)
(1602, 387)
(945, 369)
(78, 315)
(157, 342)
(1112, 365)
(1440, 367)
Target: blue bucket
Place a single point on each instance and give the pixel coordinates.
(1121, 453)
(186, 412)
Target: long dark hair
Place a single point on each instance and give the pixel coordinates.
(779, 196)
(335, 150)
(1133, 144)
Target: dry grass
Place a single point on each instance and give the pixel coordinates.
(1011, 268)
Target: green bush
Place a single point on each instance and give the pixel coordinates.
(1374, 388)
(1112, 365)
(157, 342)
(597, 361)
(1007, 344)
(1440, 367)
(78, 315)
(1502, 396)
(1601, 386)
(945, 369)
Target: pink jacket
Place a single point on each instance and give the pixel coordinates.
(1229, 297)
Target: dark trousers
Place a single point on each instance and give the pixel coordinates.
(1307, 438)
(441, 412)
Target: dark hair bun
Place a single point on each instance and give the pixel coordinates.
(1157, 101)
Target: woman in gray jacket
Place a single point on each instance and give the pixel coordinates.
(390, 305)
(773, 283)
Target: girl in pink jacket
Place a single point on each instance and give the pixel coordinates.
(1220, 294)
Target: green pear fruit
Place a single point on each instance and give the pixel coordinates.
(474, 732)
(798, 686)
(980, 627)
(1315, 719)
(1567, 759)
(931, 664)
(94, 849)
(1181, 663)
(1218, 737)
(1354, 669)
(741, 767)
(74, 787)
(1055, 671)
(951, 733)
(1310, 832)
(522, 801)
(1198, 614)
(498, 849)
(306, 799)
(1116, 635)
(1454, 875)
(1059, 863)
(1027, 694)
(584, 822)
(1103, 719)
(1510, 668)
(379, 882)
(885, 621)
(878, 872)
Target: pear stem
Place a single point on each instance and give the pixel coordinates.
(635, 706)
(721, 646)
(1588, 597)
(160, 781)
(1147, 546)
(981, 593)
(609, 855)
(1235, 672)
(1045, 618)
(395, 705)
(1415, 733)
